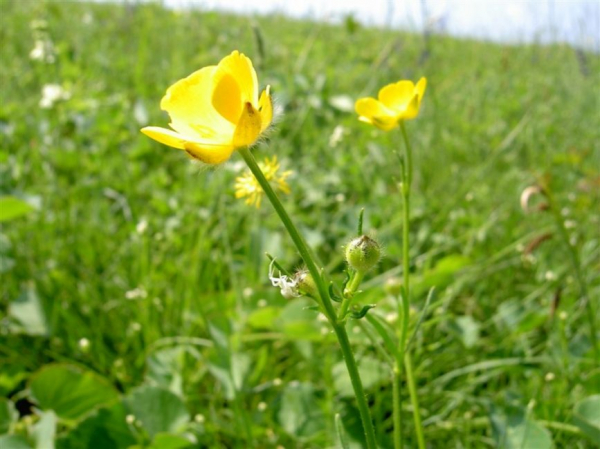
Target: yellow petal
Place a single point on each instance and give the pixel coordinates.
(420, 88)
(207, 153)
(369, 107)
(189, 105)
(248, 127)
(236, 67)
(227, 97)
(412, 109)
(375, 113)
(265, 107)
(396, 96)
(165, 136)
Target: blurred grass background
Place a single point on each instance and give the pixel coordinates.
(152, 260)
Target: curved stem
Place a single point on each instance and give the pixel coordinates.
(325, 300)
(349, 294)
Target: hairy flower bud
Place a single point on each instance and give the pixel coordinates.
(306, 283)
(363, 253)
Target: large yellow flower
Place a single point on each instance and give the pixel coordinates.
(395, 102)
(215, 110)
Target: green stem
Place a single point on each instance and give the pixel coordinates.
(349, 294)
(325, 300)
(414, 399)
(402, 356)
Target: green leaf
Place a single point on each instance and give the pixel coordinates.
(105, 428)
(8, 415)
(29, 314)
(230, 371)
(586, 416)
(170, 441)
(264, 317)
(299, 412)
(372, 372)
(71, 392)
(514, 430)
(14, 442)
(12, 207)
(157, 409)
(467, 329)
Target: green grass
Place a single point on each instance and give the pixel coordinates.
(495, 119)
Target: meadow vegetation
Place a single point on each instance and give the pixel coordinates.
(136, 308)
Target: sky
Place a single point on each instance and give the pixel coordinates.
(575, 21)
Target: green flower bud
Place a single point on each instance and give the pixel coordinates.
(305, 283)
(363, 253)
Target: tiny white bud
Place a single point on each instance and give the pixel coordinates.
(262, 303)
(277, 382)
(130, 419)
(262, 406)
(84, 344)
(549, 377)
(199, 418)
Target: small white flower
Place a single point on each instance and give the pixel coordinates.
(288, 287)
(277, 382)
(130, 419)
(336, 136)
(84, 344)
(136, 293)
(262, 406)
(52, 93)
(199, 418)
(262, 302)
(141, 226)
(248, 292)
(391, 317)
(550, 377)
(550, 276)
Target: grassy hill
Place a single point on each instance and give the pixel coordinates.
(130, 262)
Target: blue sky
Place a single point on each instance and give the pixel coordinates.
(575, 21)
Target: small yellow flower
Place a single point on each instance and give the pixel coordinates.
(246, 185)
(395, 102)
(215, 110)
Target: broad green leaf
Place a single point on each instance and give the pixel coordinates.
(514, 430)
(28, 312)
(12, 207)
(165, 368)
(14, 442)
(158, 410)
(372, 372)
(586, 416)
(299, 413)
(170, 441)
(105, 428)
(264, 317)
(69, 391)
(8, 415)
(297, 322)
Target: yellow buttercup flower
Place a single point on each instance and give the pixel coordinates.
(215, 110)
(246, 185)
(395, 102)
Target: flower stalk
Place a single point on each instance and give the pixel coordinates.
(323, 297)
(403, 356)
